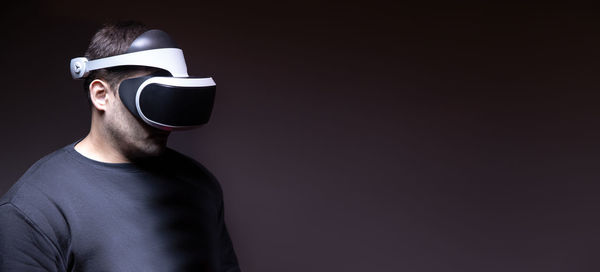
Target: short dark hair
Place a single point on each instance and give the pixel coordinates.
(110, 40)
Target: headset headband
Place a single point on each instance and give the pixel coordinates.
(170, 59)
(173, 102)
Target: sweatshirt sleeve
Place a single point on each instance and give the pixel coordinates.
(22, 246)
(229, 262)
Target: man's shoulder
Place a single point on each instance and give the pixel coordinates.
(36, 192)
(43, 170)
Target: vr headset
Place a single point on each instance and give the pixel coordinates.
(170, 100)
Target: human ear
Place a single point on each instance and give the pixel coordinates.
(99, 94)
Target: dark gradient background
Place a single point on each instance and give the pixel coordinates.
(357, 136)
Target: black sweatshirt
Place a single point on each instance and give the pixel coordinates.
(71, 213)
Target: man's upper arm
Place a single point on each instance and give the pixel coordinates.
(229, 261)
(22, 246)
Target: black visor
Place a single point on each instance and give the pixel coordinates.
(169, 103)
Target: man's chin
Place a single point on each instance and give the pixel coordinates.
(159, 140)
(156, 145)
(151, 147)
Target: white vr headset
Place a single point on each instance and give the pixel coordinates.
(172, 102)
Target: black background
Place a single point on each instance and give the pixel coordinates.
(357, 136)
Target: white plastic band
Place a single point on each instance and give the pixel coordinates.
(170, 59)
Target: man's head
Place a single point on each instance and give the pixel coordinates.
(110, 117)
(110, 40)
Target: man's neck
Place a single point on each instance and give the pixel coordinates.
(99, 149)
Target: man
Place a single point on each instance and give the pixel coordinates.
(119, 199)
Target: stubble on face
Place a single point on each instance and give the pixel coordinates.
(132, 136)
